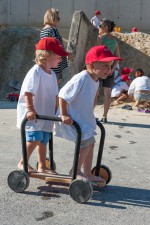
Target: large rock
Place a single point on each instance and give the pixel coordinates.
(16, 54)
(135, 49)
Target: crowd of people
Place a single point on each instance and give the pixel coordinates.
(76, 100)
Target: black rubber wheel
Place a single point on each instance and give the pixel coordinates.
(104, 172)
(80, 191)
(18, 181)
(12, 98)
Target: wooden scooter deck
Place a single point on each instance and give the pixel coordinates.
(54, 178)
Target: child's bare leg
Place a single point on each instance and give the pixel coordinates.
(121, 97)
(82, 156)
(41, 151)
(30, 148)
(88, 165)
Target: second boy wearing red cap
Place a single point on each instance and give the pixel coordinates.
(100, 53)
(77, 100)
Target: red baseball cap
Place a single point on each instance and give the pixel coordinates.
(134, 29)
(51, 44)
(125, 77)
(97, 12)
(100, 53)
(126, 70)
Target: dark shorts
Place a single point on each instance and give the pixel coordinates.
(108, 82)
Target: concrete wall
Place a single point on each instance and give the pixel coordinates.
(125, 13)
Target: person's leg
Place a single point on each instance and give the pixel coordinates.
(107, 101)
(41, 153)
(121, 97)
(30, 148)
(87, 165)
(82, 156)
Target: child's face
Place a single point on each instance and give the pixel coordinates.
(102, 69)
(137, 74)
(53, 60)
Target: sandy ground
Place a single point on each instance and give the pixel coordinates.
(125, 200)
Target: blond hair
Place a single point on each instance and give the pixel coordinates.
(89, 68)
(41, 55)
(50, 16)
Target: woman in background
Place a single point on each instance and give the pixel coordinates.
(106, 38)
(51, 21)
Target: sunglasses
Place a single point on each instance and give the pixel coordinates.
(102, 25)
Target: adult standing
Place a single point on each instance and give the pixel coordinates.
(51, 21)
(106, 38)
(96, 19)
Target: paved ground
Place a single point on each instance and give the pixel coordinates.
(125, 200)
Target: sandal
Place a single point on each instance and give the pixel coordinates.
(104, 120)
(128, 107)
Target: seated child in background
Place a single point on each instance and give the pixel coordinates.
(77, 100)
(39, 95)
(119, 90)
(125, 71)
(140, 90)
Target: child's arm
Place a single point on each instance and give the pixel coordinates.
(96, 97)
(57, 103)
(31, 114)
(66, 119)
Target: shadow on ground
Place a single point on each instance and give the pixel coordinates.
(111, 197)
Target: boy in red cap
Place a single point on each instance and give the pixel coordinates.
(96, 19)
(119, 90)
(77, 100)
(38, 95)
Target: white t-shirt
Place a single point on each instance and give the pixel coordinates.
(95, 21)
(139, 84)
(117, 88)
(44, 88)
(79, 93)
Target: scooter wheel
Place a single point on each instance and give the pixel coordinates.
(80, 191)
(104, 172)
(18, 181)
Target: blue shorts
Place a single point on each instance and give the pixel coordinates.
(41, 136)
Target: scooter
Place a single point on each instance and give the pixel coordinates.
(80, 190)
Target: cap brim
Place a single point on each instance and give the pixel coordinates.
(64, 53)
(108, 59)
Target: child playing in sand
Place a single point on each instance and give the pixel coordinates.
(120, 90)
(39, 93)
(77, 100)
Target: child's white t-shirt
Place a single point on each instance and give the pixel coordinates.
(139, 83)
(117, 88)
(45, 89)
(79, 93)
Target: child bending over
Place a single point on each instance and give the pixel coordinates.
(77, 100)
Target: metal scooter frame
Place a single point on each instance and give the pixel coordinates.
(56, 119)
(80, 190)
